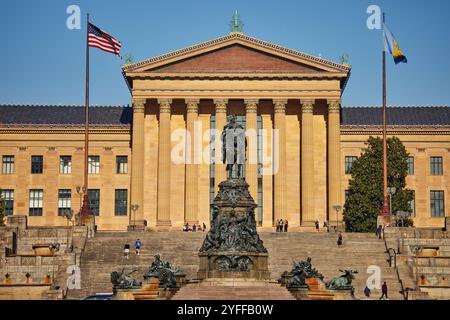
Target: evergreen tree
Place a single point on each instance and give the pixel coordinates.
(365, 197)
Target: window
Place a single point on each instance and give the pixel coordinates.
(410, 161)
(122, 164)
(94, 201)
(412, 204)
(36, 202)
(349, 164)
(64, 201)
(65, 165)
(121, 206)
(8, 165)
(94, 165)
(436, 166)
(8, 202)
(437, 203)
(37, 164)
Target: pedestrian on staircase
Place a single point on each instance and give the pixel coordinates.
(367, 292)
(340, 240)
(194, 228)
(278, 225)
(384, 291)
(126, 251)
(204, 227)
(317, 226)
(286, 226)
(137, 246)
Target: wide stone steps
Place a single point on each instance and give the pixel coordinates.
(260, 291)
(104, 254)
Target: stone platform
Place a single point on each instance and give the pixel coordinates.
(233, 289)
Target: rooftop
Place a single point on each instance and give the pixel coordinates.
(72, 115)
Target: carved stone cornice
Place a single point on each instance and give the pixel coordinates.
(165, 105)
(334, 106)
(221, 105)
(307, 106)
(280, 105)
(251, 105)
(192, 105)
(139, 105)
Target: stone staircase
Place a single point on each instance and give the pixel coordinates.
(221, 289)
(104, 254)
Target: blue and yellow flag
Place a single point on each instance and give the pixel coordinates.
(391, 46)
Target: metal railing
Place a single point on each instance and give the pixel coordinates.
(393, 258)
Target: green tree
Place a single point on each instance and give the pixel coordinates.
(365, 197)
(2, 210)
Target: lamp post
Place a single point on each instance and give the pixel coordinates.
(337, 208)
(391, 191)
(134, 208)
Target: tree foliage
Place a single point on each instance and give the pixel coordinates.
(366, 185)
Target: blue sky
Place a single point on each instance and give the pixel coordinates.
(42, 62)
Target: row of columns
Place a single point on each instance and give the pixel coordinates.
(191, 200)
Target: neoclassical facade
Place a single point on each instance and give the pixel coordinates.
(302, 149)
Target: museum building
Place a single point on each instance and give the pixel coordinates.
(291, 100)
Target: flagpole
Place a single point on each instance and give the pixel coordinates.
(385, 210)
(85, 211)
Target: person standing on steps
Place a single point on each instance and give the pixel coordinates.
(340, 240)
(194, 228)
(384, 291)
(204, 227)
(126, 251)
(286, 226)
(317, 225)
(137, 246)
(367, 292)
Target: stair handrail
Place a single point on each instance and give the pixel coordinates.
(394, 255)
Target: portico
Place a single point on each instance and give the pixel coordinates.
(295, 97)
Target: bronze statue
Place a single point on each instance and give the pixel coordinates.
(165, 273)
(234, 146)
(123, 280)
(344, 282)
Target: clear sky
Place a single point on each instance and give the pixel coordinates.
(42, 61)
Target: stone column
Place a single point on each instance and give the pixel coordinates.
(137, 159)
(164, 163)
(251, 107)
(307, 174)
(334, 157)
(280, 152)
(221, 120)
(191, 189)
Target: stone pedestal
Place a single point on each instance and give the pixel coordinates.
(227, 265)
(232, 248)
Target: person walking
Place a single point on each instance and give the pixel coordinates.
(384, 291)
(340, 240)
(317, 226)
(194, 228)
(137, 246)
(126, 251)
(367, 292)
(379, 231)
(204, 227)
(325, 225)
(278, 225)
(286, 226)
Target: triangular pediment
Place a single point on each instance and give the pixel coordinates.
(236, 53)
(236, 58)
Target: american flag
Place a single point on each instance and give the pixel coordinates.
(103, 41)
